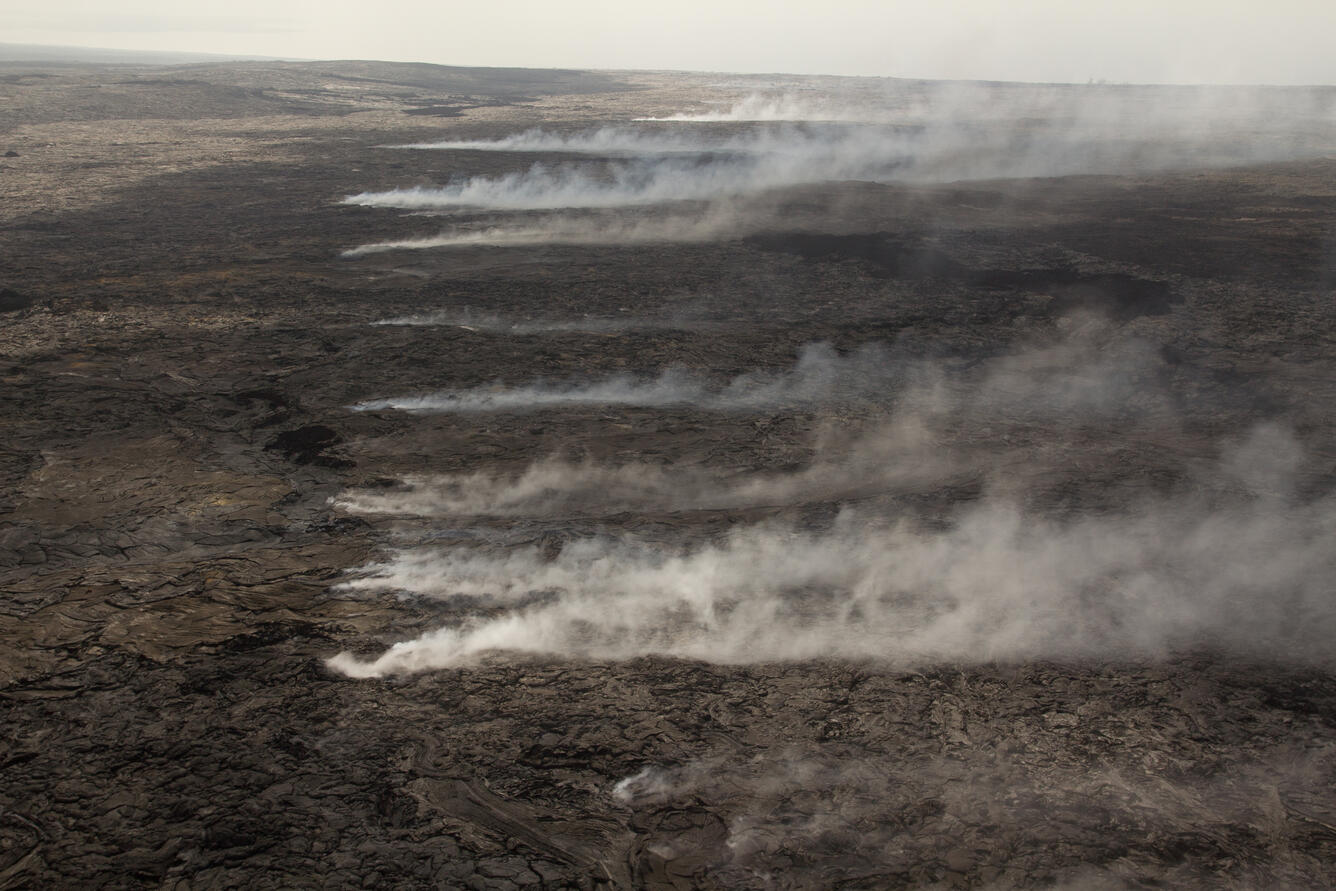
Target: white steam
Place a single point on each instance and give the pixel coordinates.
(793, 797)
(790, 158)
(1240, 560)
(820, 376)
(711, 222)
(914, 134)
(1068, 377)
(902, 457)
(648, 782)
(998, 583)
(473, 322)
(609, 141)
(945, 134)
(1243, 561)
(673, 387)
(782, 107)
(806, 138)
(1147, 111)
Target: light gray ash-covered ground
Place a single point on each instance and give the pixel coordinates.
(414, 476)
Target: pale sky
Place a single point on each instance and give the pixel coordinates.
(1142, 41)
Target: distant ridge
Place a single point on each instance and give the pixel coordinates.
(32, 52)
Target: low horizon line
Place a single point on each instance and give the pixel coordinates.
(182, 57)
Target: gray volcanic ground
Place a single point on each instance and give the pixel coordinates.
(483, 478)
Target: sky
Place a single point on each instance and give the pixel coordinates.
(1075, 41)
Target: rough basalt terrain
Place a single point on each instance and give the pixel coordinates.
(181, 343)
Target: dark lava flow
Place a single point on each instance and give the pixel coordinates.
(179, 347)
(1118, 295)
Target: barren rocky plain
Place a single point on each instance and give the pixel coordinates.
(720, 503)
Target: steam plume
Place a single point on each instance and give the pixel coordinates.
(1240, 560)
(474, 322)
(1059, 379)
(905, 456)
(999, 583)
(950, 133)
(710, 222)
(820, 375)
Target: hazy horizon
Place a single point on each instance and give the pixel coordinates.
(55, 53)
(1037, 41)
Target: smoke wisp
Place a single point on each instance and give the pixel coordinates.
(1083, 378)
(705, 174)
(705, 223)
(951, 133)
(900, 457)
(820, 376)
(1239, 560)
(609, 141)
(779, 107)
(999, 583)
(474, 322)
(1060, 379)
(854, 810)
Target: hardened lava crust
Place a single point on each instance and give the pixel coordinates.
(214, 480)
